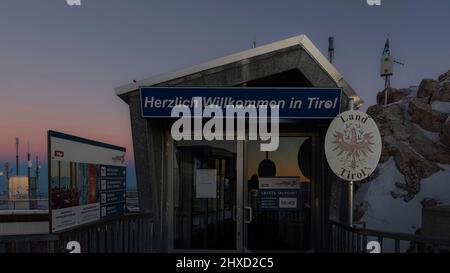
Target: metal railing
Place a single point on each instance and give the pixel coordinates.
(23, 204)
(131, 233)
(346, 239)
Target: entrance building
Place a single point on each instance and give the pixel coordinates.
(255, 201)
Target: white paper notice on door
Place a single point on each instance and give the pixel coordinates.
(205, 183)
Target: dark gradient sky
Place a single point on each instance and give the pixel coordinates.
(60, 64)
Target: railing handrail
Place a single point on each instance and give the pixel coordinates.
(55, 236)
(125, 216)
(29, 238)
(394, 235)
(128, 233)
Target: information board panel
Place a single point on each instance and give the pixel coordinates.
(87, 181)
(279, 193)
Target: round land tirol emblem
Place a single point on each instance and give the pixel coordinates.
(353, 145)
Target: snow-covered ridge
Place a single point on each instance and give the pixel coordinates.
(384, 212)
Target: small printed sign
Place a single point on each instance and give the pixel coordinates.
(206, 183)
(287, 203)
(277, 193)
(275, 199)
(279, 182)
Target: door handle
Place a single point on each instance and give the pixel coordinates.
(250, 215)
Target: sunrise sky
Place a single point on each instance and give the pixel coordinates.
(60, 64)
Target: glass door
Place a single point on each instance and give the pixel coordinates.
(277, 197)
(205, 185)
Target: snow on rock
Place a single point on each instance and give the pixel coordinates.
(422, 113)
(393, 95)
(414, 170)
(428, 87)
(437, 186)
(414, 89)
(414, 153)
(441, 106)
(445, 136)
(386, 213)
(444, 77)
(430, 135)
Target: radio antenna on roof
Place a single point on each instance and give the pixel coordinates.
(331, 49)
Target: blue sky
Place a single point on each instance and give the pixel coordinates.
(60, 64)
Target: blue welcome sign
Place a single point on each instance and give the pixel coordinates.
(296, 103)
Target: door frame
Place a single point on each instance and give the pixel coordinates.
(241, 196)
(314, 187)
(170, 201)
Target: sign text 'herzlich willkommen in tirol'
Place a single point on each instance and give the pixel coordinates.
(292, 102)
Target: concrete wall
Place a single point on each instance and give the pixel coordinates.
(436, 222)
(24, 222)
(24, 228)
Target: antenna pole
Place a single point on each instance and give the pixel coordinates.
(17, 156)
(37, 167)
(387, 69)
(331, 49)
(387, 88)
(37, 174)
(6, 167)
(29, 161)
(351, 184)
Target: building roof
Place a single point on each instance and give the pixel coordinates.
(301, 40)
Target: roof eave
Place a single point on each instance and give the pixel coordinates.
(301, 40)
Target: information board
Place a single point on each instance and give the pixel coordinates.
(87, 181)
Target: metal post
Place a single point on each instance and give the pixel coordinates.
(351, 104)
(350, 204)
(331, 49)
(6, 167)
(37, 175)
(350, 186)
(13, 196)
(17, 156)
(30, 189)
(387, 88)
(28, 162)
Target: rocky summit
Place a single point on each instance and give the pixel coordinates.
(415, 128)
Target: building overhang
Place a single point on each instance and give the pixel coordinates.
(315, 61)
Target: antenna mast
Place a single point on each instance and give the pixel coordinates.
(17, 156)
(6, 170)
(29, 161)
(387, 68)
(37, 168)
(331, 49)
(37, 171)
